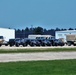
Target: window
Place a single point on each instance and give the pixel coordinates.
(59, 34)
(1, 37)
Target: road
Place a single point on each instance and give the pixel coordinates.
(13, 57)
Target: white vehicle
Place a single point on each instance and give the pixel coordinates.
(5, 35)
(39, 36)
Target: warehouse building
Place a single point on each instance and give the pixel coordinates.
(62, 34)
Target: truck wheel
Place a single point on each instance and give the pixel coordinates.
(24, 45)
(43, 45)
(32, 45)
(69, 44)
(10, 45)
(6, 44)
(17, 45)
(0, 45)
(74, 44)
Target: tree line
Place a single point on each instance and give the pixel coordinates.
(38, 30)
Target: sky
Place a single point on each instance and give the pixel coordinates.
(48, 14)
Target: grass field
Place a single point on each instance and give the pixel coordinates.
(36, 50)
(55, 67)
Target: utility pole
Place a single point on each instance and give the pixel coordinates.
(31, 27)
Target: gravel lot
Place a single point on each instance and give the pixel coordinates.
(13, 57)
(28, 47)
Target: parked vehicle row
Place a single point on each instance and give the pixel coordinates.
(35, 42)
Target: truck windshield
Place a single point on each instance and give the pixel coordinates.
(1, 37)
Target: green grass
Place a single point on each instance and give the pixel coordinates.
(36, 50)
(55, 67)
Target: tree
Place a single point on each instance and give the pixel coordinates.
(18, 31)
(27, 29)
(44, 30)
(63, 29)
(22, 30)
(71, 29)
(57, 29)
(38, 30)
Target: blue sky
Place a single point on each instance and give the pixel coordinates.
(45, 13)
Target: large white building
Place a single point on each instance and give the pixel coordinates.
(62, 34)
(7, 33)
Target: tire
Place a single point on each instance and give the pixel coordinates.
(43, 44)
(55, 44)
(32, 45)
(11, 45)
(17, 45)
(69, 44)
(6, 44)
(38, 45)
(74, 44)
(24, 45)
(0, 45)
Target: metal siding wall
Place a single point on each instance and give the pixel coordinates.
(7, 33)
(63, 34)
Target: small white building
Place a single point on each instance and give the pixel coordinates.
(7, 33)
(62, 34)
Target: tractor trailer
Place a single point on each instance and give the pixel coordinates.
(71, 39)
(5, 35)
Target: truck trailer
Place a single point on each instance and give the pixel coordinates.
(5, 35)
(71, 40)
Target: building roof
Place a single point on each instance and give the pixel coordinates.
(6, 28)
(66, 31)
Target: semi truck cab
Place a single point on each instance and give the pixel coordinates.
(2, 41)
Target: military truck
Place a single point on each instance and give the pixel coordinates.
(71, 39)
